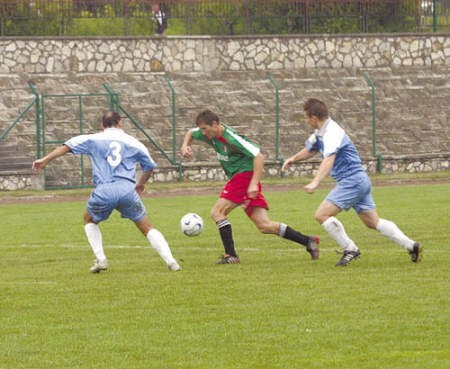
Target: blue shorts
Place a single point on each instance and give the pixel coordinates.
(353, 192)
(121, 196)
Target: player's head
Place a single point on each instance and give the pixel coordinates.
(207, 117)
(111, 119)
(209, 124)
(316, 112)
(315, 108)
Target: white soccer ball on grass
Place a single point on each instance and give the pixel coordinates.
(191, 224)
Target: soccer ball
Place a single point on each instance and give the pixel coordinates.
(191, 224)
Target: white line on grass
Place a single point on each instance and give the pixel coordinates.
(191, 248)
(195, 248)
(15, 283)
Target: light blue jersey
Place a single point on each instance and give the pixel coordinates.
(332, 139)
(354, 189)
(113, 154)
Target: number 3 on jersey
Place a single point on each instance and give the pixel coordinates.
(115, 157)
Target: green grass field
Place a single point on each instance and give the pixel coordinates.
(278, 309)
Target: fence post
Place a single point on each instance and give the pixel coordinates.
(307, 18)
(277, 122)
(174, 124)
(37, 119)
(364, 27)
(435, 16)
(374, 125)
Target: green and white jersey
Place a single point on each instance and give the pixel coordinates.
(235, 152)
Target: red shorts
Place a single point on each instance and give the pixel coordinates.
(236, 191)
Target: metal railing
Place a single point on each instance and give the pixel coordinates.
(40, 102)
(42, 140)
(172, 160)
(17, 120)
(221, 17)
(44, 115)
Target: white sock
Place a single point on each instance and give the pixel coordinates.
(391, 231)
(336, 230)
(160, 244)
(94, 236)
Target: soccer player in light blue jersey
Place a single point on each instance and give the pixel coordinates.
(114, 155)
(353, 190)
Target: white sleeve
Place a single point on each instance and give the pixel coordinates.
(332, 140)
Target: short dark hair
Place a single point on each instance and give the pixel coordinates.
(111, 119)
(315, 107)
(206, 116)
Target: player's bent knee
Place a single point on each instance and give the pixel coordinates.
(218, 214)
(215, 214)
(267, 228)
(371, 224)
(87, 218)
(320, 218)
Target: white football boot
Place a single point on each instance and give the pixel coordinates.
(99, 266)
(174, 267)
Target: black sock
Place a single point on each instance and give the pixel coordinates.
(226, 234)
(293, 235)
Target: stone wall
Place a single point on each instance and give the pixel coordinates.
(213, 54)
(414, 164)
(232, 75)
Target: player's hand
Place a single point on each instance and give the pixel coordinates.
(312, 186)
(140, 189)
(38, 164)
(252, 191)
(287, 163)
(186, 152)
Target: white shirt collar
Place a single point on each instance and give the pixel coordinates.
(320, 132)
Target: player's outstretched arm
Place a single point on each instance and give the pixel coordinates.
(301, 155)
(324, 169)
(143, 178)
(42, 162)
(186, 148)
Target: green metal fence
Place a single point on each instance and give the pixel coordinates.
(17, 120)
(221, 17)
(53, 113)
(48, 139)
(172, 160)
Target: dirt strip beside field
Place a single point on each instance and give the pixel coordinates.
(9, 198)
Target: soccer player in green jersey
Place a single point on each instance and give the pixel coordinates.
(243, 164)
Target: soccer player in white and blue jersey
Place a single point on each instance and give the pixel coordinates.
(114, 155)
(353, 190)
